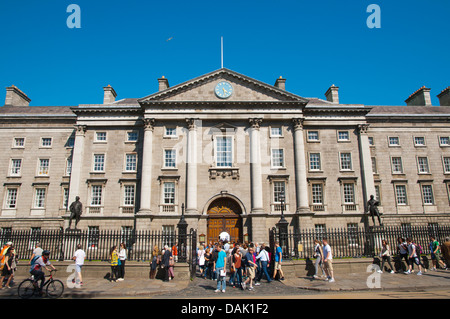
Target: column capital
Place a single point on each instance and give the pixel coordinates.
(192, 123)
(298, 123)
(80, 129)
(255, 122)
(363, 128)
(149, 124)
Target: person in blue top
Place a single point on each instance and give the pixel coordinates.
(278, 261)
(220, 266)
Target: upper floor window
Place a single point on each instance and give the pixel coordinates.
(19, 142)
(99, 163)
(132, 136)
(130, 162)
(100, 136)
(170, 131)
(46, 142)
(314, 162)
(346, 161)
(444, 141)
(44, 164)
(313, 136)
(343, 136)
(170, 160)
(224, 151)
(16, 166)
(394, 141)
(277, 158)
(446, 164)
(419, 141)
(422, 163)
(276, 131)
(397, 167)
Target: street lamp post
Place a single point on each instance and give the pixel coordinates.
(182, 236)
(283, 226)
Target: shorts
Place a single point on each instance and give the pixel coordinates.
(414, 260)
(328, 265)
(251, 272)
(435, 257)
(78, 268)
(277, 265)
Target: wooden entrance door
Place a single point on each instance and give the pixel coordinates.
(224, 216)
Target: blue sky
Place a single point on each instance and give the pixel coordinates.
(312, 44)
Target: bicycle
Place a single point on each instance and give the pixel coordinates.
(54, 288)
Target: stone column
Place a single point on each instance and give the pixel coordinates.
(255, 166)
(366, 163)
(191, 164)
(146, 178)
(302, 198)
(77, 164)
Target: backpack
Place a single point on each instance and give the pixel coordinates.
(2, 258)
(419, 249)
(33, 262)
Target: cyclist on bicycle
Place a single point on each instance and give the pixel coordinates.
(36, 271)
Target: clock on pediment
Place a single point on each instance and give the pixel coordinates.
(223, 90)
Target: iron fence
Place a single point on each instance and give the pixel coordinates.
(97, 244)
(355, 242)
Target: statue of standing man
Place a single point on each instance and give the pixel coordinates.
(372, 206)
(76, 208)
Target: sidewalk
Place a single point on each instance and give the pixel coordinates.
(203, 288)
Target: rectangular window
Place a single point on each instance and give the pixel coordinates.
(346, 161)
(444, 141)
(19, 142)
(224, 154)
(314, 161)
(378, 194)
(349, 193)
(16, 165)
(65, 199)
(374, 165)
(400, 194)
(279, 191)
(132, 136)
(39, 199)
(96, 195)
(343, 136)
(371, 143)
(277, 158)
(99, 162)
(427, 193)
(170, 132)
(130, 162)
(317, 194)
(46, 142)
(43, 166)
(419, 141)
(276, 132)
(313, 136)
(422, 163)
(68, 166)
(394, 141)
(352, 231)
(170, 158)
(11, 198)
(100, 136)
(397, 167)
(129, 191)
(169, 193)
(446, 163)
(93, 236)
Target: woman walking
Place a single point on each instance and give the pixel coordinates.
(154, 263)
(318, 254)
(385, 256)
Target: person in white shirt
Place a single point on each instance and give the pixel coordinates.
(263, 257)
(413, 258)
(122, 258)
(328, 260)
(79, 257)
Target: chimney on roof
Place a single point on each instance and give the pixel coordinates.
(109, 95)
(419, 98)
(444, 97)
(332, 94)
(163, 83)
(15, 97)
(280, 83)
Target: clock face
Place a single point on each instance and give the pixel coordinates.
(223, 90)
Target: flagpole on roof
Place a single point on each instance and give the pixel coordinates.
(221, 46)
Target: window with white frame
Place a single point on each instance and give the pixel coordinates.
(100, 136)
(446, 164)
(371, 141)
(277, 158)
(11, 197)
(132, 136)
(130, 162)
(394, 141)
(378, 194)
(427, 194)
(46, 142)
(19, 142)
(400, 195)
(39, 197)
(444, 141)
(16, 167)
(276, 131)
(68, 166)
(224, 151)
(99, 163)
(65, 199)
(346, 161)
(170, 158)
(169, 193)
(44, 164)
(419, 141)
(349, 193)
(374, 165)
(313, 136)
(96, 195)
(343, 136)
(422, 163)
(170, 131)
(279, 191)
(317, 194)
(397, 167)
(128, 195)
(314, 162)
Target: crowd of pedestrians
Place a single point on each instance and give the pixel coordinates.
(243, 264)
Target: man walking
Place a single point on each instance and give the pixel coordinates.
(263, 257)
(79, 257)
(328, 260)
(278, 260)
(251, 269)
(220, 267)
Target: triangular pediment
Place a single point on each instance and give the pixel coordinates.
(202, 89)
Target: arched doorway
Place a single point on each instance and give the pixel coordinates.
(224, 215)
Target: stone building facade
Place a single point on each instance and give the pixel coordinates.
(231, 153)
